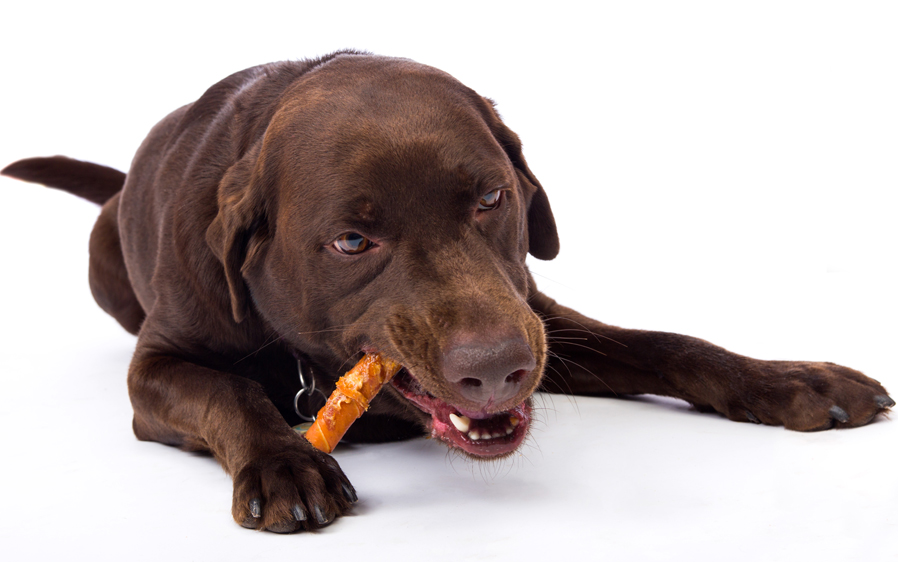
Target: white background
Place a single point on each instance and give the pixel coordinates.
(726, 172)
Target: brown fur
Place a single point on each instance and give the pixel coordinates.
(216, 249)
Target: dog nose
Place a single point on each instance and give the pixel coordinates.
(488, 373)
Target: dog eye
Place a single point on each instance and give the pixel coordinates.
(490, 201)
(352, 243)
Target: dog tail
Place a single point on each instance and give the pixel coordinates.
(93, 182)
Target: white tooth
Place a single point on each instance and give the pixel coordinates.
(474, 435)
(508, 430)
(461, 423)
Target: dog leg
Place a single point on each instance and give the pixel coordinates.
(281, 482)
(108, 277)
(588, 357)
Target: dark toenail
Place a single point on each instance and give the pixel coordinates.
(255, 507)
(838, 414)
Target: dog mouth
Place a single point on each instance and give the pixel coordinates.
(479, 435)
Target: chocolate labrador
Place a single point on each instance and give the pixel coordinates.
(300, 214)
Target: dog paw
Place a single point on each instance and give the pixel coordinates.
(291, 490)
(807, 396)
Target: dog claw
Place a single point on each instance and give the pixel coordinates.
(751, 417)
(838, 414)
(299, 513)
(319, 516)
(349, 493)
(255, 508)
(883, 401)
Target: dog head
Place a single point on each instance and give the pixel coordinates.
(389, 209)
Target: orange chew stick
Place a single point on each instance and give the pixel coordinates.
(350, 400)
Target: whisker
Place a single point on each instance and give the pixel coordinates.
(572, 362)
(586, 329)
(557, 383)
(568, 394)
(570, 329)
(586, 347)
(563, 338)
(345, 362)
(266, 344)
(550, 279)
(278, 337)
(337, 328)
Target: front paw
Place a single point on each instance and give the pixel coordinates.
(806, 396)
(296, 488)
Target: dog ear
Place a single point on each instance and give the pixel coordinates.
(241, 228)
(542, 234)
(541, 231)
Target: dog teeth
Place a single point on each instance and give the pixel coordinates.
(461, 423)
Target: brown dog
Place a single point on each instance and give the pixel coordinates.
(307, 212)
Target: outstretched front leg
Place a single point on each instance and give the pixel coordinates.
(588, 357)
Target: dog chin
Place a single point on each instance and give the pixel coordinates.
(479, 435)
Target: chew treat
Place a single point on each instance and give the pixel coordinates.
(350, 400)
